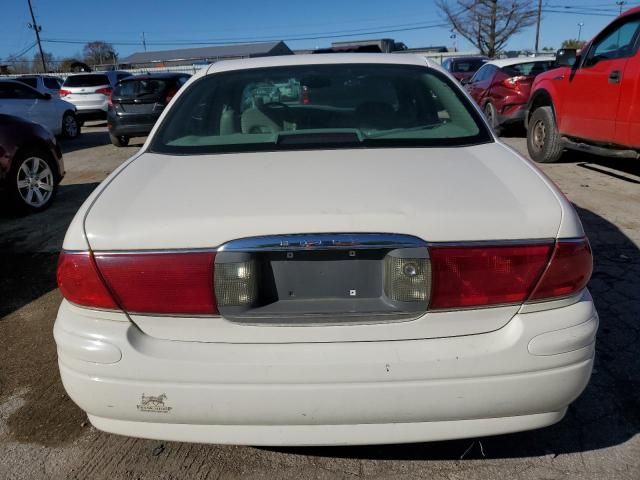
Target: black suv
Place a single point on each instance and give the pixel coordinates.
(137, 102)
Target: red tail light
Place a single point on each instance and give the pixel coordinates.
(568, 272)
(483, 276)
(170, 94)
(110, 100)
(64, 93)
(164, 283)
(517, 82)
(80, 282)
(305, 95)
(104, 91)
(480, 276)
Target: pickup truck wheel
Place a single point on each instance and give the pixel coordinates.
(543, 139)
(119, 140)
(492, 117)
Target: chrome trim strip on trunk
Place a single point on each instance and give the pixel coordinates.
(323, 241)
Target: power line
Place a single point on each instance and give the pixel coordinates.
(229, 41)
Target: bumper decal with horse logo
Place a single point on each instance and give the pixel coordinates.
(153, 404)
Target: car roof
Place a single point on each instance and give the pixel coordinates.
(144, 76)
(469, 57)
(320, 59)
(507, 62)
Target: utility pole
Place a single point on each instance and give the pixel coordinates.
(37, 29)
(144, 42)
(538, 26)
(621, 3)
(580, 25)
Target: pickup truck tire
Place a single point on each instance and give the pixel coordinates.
(119, 140)
(543, 138)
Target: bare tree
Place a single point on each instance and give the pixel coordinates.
(99, 53)
(573, 43)
(488, 24)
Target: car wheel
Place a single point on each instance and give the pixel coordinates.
(32, 183)
(70, 126)
(119, 140)
(544, 142)
(492, 117)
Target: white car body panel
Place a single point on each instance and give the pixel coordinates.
(250, 194)
(443, 375)
(48, 113)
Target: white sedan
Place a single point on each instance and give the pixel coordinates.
(362, 262)
(26, 102)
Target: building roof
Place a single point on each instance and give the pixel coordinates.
(208, 53)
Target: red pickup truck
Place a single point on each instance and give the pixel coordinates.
(592, 101)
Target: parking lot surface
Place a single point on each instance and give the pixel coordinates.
(43, 435)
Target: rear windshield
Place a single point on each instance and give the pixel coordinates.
(32, 82)
(149, 87)
(86, 81)
(319, 106)
(529, 69)
(468, 66)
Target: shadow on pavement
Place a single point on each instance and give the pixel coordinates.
(605, 415)
(29, 247)
(85, 140)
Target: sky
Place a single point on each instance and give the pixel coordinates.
(173, 23)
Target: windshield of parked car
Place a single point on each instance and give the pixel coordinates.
(529, 69)
(468, 65)
(86, 81)
(344, 105)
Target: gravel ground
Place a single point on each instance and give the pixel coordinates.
(43, 435)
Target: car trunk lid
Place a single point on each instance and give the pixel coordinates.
(480, 193)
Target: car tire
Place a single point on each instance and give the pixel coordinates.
(70, 125)
(491, 115)
(119, 140)
(544, 141)
(33, 181)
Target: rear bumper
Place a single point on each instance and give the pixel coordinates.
(512, 114)
(91, 114)
(129, 130)
(520, 377)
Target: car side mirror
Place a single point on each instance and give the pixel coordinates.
(566, 57)
(46, 96)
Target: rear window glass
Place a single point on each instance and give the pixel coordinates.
(529, 69)
(140, 88)
(468, 66)
(86, 81)
(51, 83)
(320, 106)
(32, 82)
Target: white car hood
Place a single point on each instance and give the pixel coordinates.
(483, 192)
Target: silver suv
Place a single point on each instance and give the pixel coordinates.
(42, 83)
(90, 92)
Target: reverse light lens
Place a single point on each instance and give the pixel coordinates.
(80, 283)
(161, 283)
(236, 283)
(484, 275)
(407, 279)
